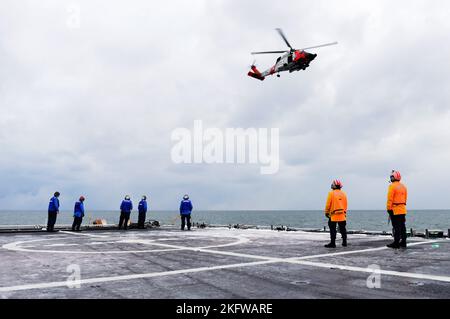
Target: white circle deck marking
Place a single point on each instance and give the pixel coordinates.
(19, 245)
(265, 261)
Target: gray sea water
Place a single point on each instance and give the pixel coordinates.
(357, 220)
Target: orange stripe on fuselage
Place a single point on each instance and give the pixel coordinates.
(299, 55)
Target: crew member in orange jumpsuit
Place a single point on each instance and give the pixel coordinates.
(336, 211)
(396, 208)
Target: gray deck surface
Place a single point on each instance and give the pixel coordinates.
(217, 263)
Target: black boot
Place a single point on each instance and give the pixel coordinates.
(394, 245)
(403, 244)
(344, 243)
(330, 245)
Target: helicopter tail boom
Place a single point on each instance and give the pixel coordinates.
(256, 74)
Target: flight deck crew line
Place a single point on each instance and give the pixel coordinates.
(185, 212)
(335, 211)
(396, 208)
(53, 210)
(78, 214)
(125, 211)
(142, 208)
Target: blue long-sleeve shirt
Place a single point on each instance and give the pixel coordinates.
(126, 206)
(78, 210)
(142, 206)
(53, 205)
(186, 207)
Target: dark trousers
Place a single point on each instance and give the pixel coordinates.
(124, 218)
(141, 219)
(398, 227)
(342, 230)
(77, 223)
(51, 221)
(186, 219)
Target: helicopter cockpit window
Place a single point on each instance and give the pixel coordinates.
(278, 60)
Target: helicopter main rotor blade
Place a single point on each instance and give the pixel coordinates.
(284, 38)
(320, 46)
(269, 52)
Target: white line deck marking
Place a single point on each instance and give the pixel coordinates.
(229, 253)
(82, 234)
(264, 261)
(127, 277)
(381, 271)
(201, 269)
(360, 251)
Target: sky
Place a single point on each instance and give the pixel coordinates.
(91, 92)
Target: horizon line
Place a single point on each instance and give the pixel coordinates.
(223, 210)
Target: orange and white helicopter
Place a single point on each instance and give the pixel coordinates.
(292, 60)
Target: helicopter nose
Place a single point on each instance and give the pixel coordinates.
(313, 56)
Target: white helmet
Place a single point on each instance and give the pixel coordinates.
(185, 197)
(127, 197)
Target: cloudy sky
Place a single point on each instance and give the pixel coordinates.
(88, 103)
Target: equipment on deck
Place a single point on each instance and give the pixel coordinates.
(99, 221)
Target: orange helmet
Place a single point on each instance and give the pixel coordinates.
(337, 184)
(396, 175)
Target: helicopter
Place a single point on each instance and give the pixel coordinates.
(292, 59)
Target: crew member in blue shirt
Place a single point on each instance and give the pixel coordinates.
(142, 212)
(185, 212)
(53, 210)
(78, 214)
(125, 211)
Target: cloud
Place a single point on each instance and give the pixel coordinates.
(91, 110)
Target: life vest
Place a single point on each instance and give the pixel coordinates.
(78, 210)
(53, 205)
(126, 206)
(142, 206)
(397, 197)
(185, 207)
(336, 205)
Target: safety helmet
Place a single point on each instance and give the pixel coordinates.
(127, 197)
(396, 176)
(337, 184)
(186, 196)
(57, 194)
(82, 198)
(144, 197)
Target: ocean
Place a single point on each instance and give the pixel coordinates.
(375, 220)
